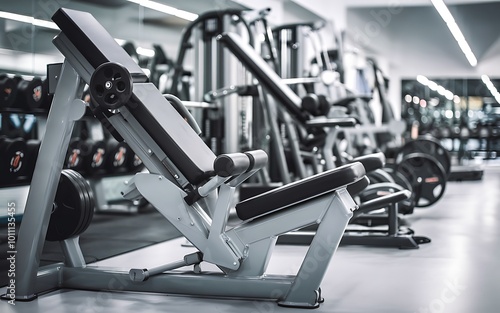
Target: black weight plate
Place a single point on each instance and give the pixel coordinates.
(88, 211)
(380, 176)
(83, 210)
(68, 205)
(430, 146)
(111, 86)
(12, 158)
(427, 177)
(8, 91)
(405, 206)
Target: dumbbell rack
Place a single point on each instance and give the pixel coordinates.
(15, 190)
(106, 186)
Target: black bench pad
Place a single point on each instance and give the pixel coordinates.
(156, 115)
(94, 42)
(299, 191)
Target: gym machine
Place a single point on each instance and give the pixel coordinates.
(190, 185)
(271, 82)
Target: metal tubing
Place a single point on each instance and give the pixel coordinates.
(63, 113)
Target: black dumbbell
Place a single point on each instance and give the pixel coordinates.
(94, 158)
(32, 149)
(30, 94)
(8, 91)
(117, 154)
(134, 163)
(75, 155)
(12, 159)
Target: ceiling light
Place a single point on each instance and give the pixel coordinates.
(422, 79)
(487, 81)
(455, 30)
(28, 19)
(166, 9)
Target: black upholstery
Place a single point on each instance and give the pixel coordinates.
(300, 191)
(94, 42)
(175, 137)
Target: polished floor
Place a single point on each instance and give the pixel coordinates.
(458, 272)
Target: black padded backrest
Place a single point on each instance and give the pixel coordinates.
(94, 42)
(265, 75)
(156, 115)
(173, 135)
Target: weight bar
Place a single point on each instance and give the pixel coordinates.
(8, 91)
(12, 159)
(73, 207)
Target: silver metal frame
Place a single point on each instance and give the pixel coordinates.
(241, 252)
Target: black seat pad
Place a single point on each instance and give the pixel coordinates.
(299, 191)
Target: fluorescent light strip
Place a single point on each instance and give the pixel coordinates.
(28, 19)
(455, 30)
(166, 9)
(435, 87)
(487, 81)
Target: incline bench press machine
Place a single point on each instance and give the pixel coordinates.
(186, 182)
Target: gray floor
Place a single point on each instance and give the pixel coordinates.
(458, 272)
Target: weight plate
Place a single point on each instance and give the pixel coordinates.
(430, 146)
(88, 211)
(83, 211)
(426, 175)
(111, 86)
(405, 206)
(67, 211)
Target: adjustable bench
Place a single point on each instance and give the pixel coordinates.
(186, 183)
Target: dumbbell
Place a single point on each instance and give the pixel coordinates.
(94, 159)
(117, 155)
(75, 154)
(32, 149)
(30, 94)
(134, 163)
(8, 91)
(12, 159)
